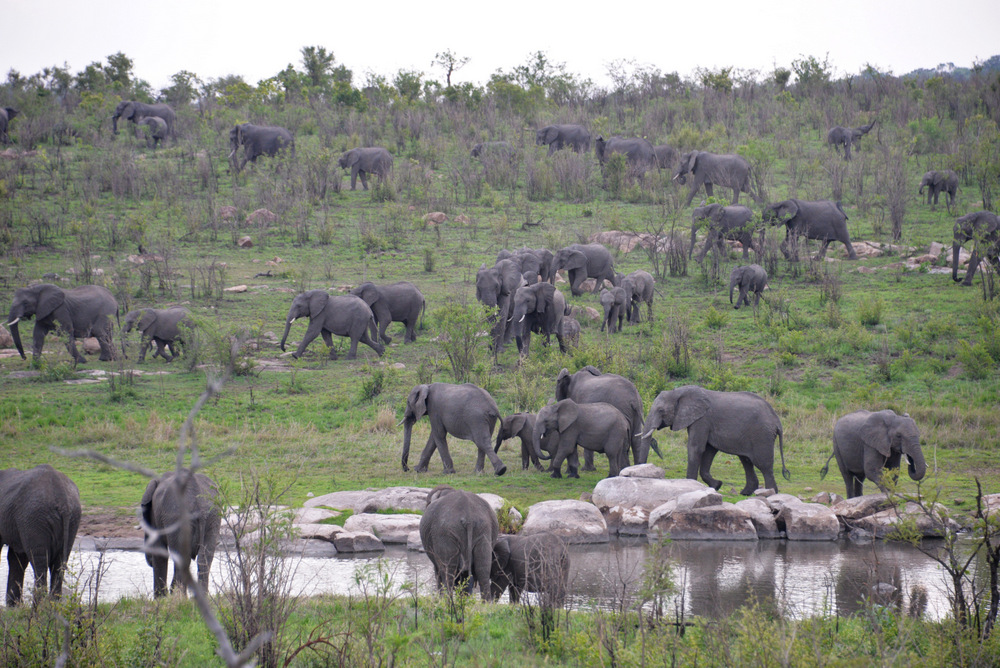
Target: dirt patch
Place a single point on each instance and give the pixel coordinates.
(108, 524)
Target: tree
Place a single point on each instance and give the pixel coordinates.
(450, 62)
(118, 72)
(318, 65)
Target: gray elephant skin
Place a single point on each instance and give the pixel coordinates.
(714, 169)
(538, 564)
(866, 443)
(156, 130)
(639, 286)
(983, 228)
(666, 156)
(749, 278)
(737, 423)
(7, 114)
(399, 302)
(821, 220)
(519, 425)
(557, 137)
(465, 411)
(495, 288)
(167, 328)
(725, 222)
(535, 264)
(570, 332)
(346, 315)
(78, 313)
(365, 161)
(841, 137)
(134, 111)
(458, 530)
(537, 308)
(168, 501)
(597, 427)
(583, 261)
(39, 516)
(937, 182)
(258, 140)
(615, 303)
(640, 156)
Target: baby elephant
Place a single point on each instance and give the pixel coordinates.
(570, 332)
(749, 278)
(520, 425)
(156, 130)
(615, 303)
(599, 427)
(165, 327)
(538, 563)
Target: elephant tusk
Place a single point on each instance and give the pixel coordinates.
(292, 320)
(401, 422)
(648, 433)
(13, 322)
(522, 319)
(231, 153)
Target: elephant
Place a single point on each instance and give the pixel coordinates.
(156, 130)
(725, 222)
(666, 156)
(527, 261)
(614, 302)
(582, 261)
(165, 327)
(822, 220)
(78, 312)
(169, 500)
(639, 285)
(596, 427)
(495, 288)
(7, 114)
(589, 385)
(639, 153)
(749, 278)
(39, 516)
(559, 136)
(400, 302)
(134, 111)
(346, 315)
(737, 423)
(501, 150)
(982, 227)
(258, 140)
(458, 530)
(865, 443)
(520, 425)
(936, 182)
(537, 308)
(537, 563)
(570, 332)
(726, 170)
(847, 137)
(364, 161)
(465, 411)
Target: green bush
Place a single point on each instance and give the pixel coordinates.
(715, 319)
(976, 360)
(870, 311)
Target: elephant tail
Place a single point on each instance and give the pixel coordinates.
(781, 449)
(826, 467)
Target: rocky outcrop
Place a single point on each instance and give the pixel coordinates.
(683, 520)
(762, 517)
(626, 501)
(388, 528)
(884, 523)
(374, 500)
(573, 521)
(804, 521)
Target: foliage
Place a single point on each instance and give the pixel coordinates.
(461, 336)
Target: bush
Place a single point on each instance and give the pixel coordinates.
(715, 319)
(461, 336)
(870, 311)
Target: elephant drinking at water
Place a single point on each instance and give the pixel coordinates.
(78, 312)
(347, 315)
(458, 530)
(538, 563)
(364, 161)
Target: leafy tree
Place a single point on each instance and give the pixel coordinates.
(717, 80)
(408, 84)
(318, 65)
(810, 73)
(450, 62)
(183, 88)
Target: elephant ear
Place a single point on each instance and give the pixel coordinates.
(367, 292)
(576, 260)
(691, 406)
(501, 552)
(551, 134)
(146, 505)
(875, 434)
(147, 319)
(418, 401)
(49, 299)
(352, 157)
(317, 302)
(517, 421)
(716, 211)
(541, 303)
(788, 209)
(566, 414)
(562, 384)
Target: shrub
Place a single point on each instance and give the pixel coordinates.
(461, 336)
(975, 359)
(870, 311)
(715, 319)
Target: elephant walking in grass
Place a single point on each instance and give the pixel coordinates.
(365, 161)
(172, 503)
(615, 303)
(464, 411)
(724, 222)
(39, 516)
(78, 312)
(597, 427)
(983, 229)
(737, 423)
(639, 287)
(346, 315)
(937, 182)
(537, 308)
(866, 444)
(537, 563)
(134, 111)
(708, 169)
(458, 530)
(156, 130)
(495, 288)
(583, 261)
(519, 425)
(666, 156)
(400, 302)
(841, 137)
(749, 278)
(258, 140)
(556, 137)
(167, 328)
(640, 156)
(822, 220)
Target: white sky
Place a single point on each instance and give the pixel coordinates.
(256, 39)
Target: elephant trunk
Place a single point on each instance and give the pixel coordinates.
(288, 325)
(114, 125)
(536, 442)
(15, 333)
(955, 247)
(407, 432)
(917, 467)
(496, 448)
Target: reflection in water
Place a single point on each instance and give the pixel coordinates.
(714, 578)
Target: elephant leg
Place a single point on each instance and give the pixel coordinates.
(705, 465)
(588, 460)
(382, 336)
(143, 347)
(328, 340)
(204, 567)
(16, 564)
(822, 249)
(354, 177)
(756, 298)
(850, 249)
(312, 332)
(557, 459)
(104, 340)
(352, 351)
(364, 179)
(528, 454)
(368, 341)
(696, 448)
(160, 574)
(752, 483)
(573, 463)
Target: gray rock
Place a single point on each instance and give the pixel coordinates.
(573, 521)
(882, 523)
(325, 532)
(722, 521)
(357, 542)
(643, 471)
(762, 517)
(24, 374)
(414, 543)
(372, 500)
(388, 528)
(313, 515)
(619, 496)
(808, 521)
(827, 498)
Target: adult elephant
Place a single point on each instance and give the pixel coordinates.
(78, 313)
(537, 308)
(39, 515)
(841, 137)
(583, 261)
(520, 425)
(164, 327)
(346, 315)
(595, 427)
(365, 161)
(7, 114)
(399, 302)
(639, 153)
(822, 220)
(724, 222)
(156, 130)
(983, 228)
(937, 182)
(465, 411)
(749, 278)
(458, 530)
(614, 302)
(495, 288)
(537, 563)
(175, 504)
(258, 140)
(558, 136)
(737, 423)
(639, 285)
(713, 169)
(134, 111)
(528, 263)
(866, 443)
(666, 156)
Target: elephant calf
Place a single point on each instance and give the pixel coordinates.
(167, 328)
(564, 425)
(749, 278)
(614, 302)
(520, 425)
(538, 563)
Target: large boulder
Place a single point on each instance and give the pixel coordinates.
(362, 541)
(805, 521)
(389, 528)
(496, 503)
(327, 532)
(374, 500)
(6, 340)
(643, 471)
(861, 506)
(762, 516)
(626, 502)
(573, 521)
(928, 525)
(312, 515)
(701, 515)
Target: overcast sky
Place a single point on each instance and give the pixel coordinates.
(256, 39)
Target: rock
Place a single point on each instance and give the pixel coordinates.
(312, 515)
(632, 522)
(764, 492)
(587, 285)
(686, 519)
(414, 543)
(861, 506)
(882, 523)
(91, 346)
(920, 259)
(227, 212)
(620, 497)
(496, 503)
(236, 288)
(435, 217)
(261, 216)
(827, 498)
(388, 528)
(357, 542)
(24, 374)
(762, 517)
(935, 250)
(308, 547)
(6, 340)
(866, 270)
(643, 471)
(592, 313)
(245, 242)
(808, 521)
(398, 366)
(325, 532)
(373, 500)
(573, 521)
